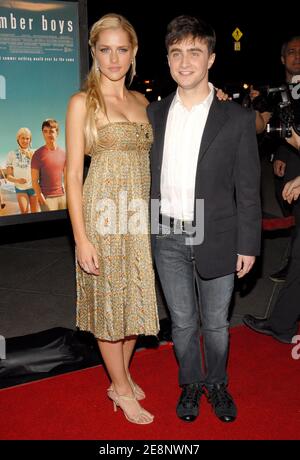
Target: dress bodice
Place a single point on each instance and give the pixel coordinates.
(123, 136)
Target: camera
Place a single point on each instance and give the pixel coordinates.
(284, 104)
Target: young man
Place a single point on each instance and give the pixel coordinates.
(204, 149)
(48, 170)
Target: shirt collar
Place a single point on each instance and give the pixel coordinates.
(206, 103)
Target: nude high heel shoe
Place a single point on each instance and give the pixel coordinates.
(142, 416)
(137, 391)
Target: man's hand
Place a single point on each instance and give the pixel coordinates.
(294, 140)
(261, 121)
(279, 168)
(244, 265)
(41, 199)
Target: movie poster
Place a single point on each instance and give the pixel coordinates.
(39, 71)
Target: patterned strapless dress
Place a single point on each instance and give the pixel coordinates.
(121, 301)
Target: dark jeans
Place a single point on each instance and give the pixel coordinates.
(181, 283)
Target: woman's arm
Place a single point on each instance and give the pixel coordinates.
(75, 143)
(74, 164)
(10, 176)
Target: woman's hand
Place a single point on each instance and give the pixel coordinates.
(87, 257)
(291, 190)
(221, 95)
(21, 180)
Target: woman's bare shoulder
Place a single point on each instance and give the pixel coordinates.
(77, 106)
(78, 100)
(140, 97)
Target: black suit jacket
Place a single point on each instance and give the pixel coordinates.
(227, 179)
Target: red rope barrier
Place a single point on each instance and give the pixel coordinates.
(278, 223)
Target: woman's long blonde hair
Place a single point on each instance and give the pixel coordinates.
(94, 97)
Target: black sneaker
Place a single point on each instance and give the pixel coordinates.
(222, 403)
(262, 325)
(188, 405)
(280, 276)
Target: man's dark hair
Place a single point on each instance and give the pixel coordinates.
(286, 44)
(184, 26)
(50, 123)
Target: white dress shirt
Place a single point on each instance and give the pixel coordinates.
(183, 137)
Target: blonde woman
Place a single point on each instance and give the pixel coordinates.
(115, 281)
(19, 171)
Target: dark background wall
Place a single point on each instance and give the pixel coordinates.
(263, 25)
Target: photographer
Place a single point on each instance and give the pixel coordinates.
(290, 58)
(286, 162)
(283, 322)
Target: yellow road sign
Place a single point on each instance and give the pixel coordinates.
(237, 34)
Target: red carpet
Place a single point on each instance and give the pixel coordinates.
(264, 379)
